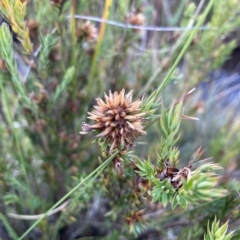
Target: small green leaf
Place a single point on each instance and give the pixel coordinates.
(164, 199)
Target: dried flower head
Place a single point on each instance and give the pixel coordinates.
(135, 217)
(184, 173)
(118, 166)
(87, 31)
(33, 27)
(175, 175)
(118, 119)
(135, 19)
(39, 125)
(41, 98)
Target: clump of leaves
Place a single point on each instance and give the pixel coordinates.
(170, 184)
(15, 12)
(217, 232)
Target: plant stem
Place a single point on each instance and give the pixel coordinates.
(172, 51)
(93, 174)
(8, 226)
(185, 47)
(107, 7)
(74, 44)
(72, 203)
(73, 32)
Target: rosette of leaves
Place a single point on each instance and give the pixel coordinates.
(199, 187)
(150, 105)
(169, 124)
(162, 192)
(215, 232)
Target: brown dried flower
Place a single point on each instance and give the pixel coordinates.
(118, 166)
(41, 98)
(39, 125)
(33, 27)
(183, 173)
(135, 19)
(135, 217)
(119, 120)
(175, 175)
(87, 31)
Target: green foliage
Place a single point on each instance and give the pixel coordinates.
(9, 228)
(162, 192)
(15, 12)
(46, 13)
(169, 123)
(188, 13)
(47, 44)
(194, 232)
(196, 186)
(151, 104)
(6, 52)
(68, 76)
(203, 53)
(146, 169)
(199, 187)
(50, 173)
(215, 232)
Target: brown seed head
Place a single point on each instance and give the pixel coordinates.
(33, 27)
(87, 31)
(118, 166)
(175, 175)
(136, 19)
(39, 125)
(135, 217)
(41, 98)
(183, 173)
(118, 119)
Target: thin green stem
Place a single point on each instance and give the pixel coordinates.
(185, 47)
(73, 32)
(72, 203)
(61, 49)
(8, 226)
(172, 51)
(94, 174)
(107, 7)
(74, 44)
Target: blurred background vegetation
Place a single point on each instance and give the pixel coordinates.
(56, 57)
